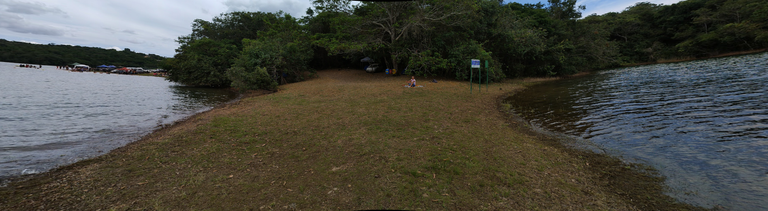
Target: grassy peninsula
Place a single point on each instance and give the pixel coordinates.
(347, 140)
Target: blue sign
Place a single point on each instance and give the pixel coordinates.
(475, 63)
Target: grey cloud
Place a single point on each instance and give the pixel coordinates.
(237, 5)
(110, 30)
(29, 8)
(16, 23)
(127, 31)
(138, 42)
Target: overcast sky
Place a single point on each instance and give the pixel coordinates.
(152, 26)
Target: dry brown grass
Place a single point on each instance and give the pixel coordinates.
(346, 140)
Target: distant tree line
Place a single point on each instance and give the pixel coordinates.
(257, 50)
(649, 32)
(53, 54)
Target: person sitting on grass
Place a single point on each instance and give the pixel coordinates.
(412, 82)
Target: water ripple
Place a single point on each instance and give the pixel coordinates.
(54, 117)
(703, 124)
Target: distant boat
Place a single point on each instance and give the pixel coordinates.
(82, 67)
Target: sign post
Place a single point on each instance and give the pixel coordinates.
(487, 72)
(475, 64)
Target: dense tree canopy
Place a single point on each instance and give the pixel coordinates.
(439, 37)
(281, 54)
(202, 62)
(52, 54)
(258, 50)
(647, 32)
(429, 37)
(236, 48)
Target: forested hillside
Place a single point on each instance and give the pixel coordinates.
(422, 37)
(253, 50)
(437, 37)
(649, 32)
(52, 54)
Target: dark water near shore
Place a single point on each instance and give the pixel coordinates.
(702, 124)
(51, 117)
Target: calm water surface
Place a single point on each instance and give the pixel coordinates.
(51, 117)
(702, 124)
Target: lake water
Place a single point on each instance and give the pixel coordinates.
(51, 117)
(702, 124)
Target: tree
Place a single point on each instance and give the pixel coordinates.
(565, 9)
(230, 28)
(205, 56)
(202, 62)
(394, 27)
(705, 17)
(514, 38)
(246, 75)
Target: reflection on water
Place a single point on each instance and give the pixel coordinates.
(190, 98)
(702, 124)
(51, 117)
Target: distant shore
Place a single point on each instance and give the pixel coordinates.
(665, 61)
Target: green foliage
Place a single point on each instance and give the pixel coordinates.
(202, 62)
(248, 77)
(285, 50)
(242, 49)
(564, 9)
(252, 50)
(649, 32)
(264, 62)
(230, 28)
(429, 37)
(53, 54)
(280, 54)
(426, 63)
(434, 37)
(515, 40)
(460, 56)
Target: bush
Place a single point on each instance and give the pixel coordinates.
(460, 58)
(250, 78)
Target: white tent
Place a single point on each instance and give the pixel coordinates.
(82, 67)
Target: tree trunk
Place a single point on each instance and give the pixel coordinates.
(394, 62)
